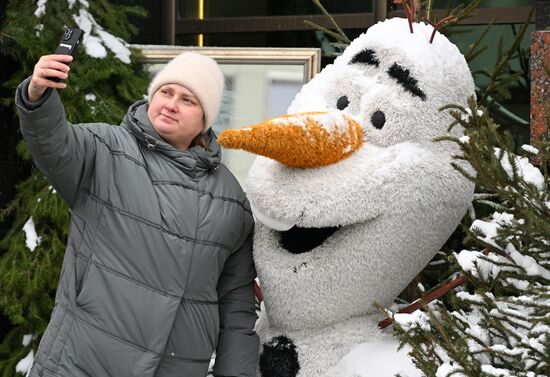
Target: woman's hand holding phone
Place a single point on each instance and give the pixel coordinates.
(45, 71)
(50, 69)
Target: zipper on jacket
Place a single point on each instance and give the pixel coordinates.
(150, 145)
(186, 281)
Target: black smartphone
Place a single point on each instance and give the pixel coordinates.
(69, 43)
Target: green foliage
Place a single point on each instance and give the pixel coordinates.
(501, 319)
(116, 85)
(341, 39)
(424, 12)
(26, 275)
(11, 351)
(28, 279)
(458, 13)
(501, 76)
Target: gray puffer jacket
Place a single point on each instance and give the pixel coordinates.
(158, 270)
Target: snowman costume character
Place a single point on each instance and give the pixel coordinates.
(338, 234)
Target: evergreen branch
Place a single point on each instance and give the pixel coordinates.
(481, 73)
(523, 59)
(462, 13)
(338, 45)
(493, 205)
(502, 65)
(459, 13)
(440, 328)
(472, 55)
(492, 329)
(341, 40)
(537, 203)
(484, 195)
(332, 54)
(340, 32)
(463, 171)
(496, 106)
(429, 12)
(28, 279)
(452, 106)
(473, 52)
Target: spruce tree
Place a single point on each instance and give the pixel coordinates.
(499, 323)
(106, 77)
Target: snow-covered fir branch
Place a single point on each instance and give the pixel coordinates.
(499, 324)
(96, 39)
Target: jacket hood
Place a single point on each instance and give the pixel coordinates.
(193, 161)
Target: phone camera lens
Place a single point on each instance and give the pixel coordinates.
(67, 34)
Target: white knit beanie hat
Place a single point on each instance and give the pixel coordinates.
(198, 73)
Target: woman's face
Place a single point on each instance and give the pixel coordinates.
(176, 114)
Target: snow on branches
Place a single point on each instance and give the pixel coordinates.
(499, 323)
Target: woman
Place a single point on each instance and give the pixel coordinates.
(158, 270)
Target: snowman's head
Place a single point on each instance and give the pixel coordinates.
(393, 82)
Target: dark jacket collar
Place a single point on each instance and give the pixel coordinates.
(194, 161)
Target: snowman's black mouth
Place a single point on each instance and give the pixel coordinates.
(298, 240)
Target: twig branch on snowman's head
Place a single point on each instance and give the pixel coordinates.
(410, 7)
(439, 24)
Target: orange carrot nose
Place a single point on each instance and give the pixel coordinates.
(301, 140)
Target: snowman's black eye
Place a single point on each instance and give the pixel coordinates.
(342, 103)
(378, 119)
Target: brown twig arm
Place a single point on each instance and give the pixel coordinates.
(409, 6)
(426, 299)
(439, 24)
(435, 294)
